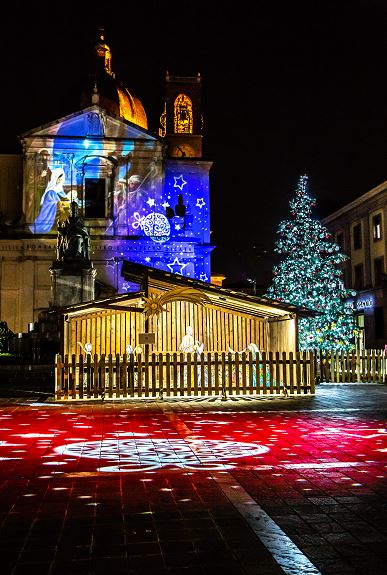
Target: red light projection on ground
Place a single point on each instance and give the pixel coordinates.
(143, 454)
(110, 438)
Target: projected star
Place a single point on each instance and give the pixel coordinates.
(181, 180)
(151, 202)
(165, 205)
(147, 259)
(203, 277)
(200, 202)
(175, 266)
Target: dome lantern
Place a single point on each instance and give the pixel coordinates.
(112, 95)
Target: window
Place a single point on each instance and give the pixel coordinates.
(360, 320)
(377, 227)
(95, 198)
(358, 279)
(379, 322)
(183, 115)
(340, 240)
(378, 270)
(357, 237)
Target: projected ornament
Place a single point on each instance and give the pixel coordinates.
(157, 227)
(144, 454)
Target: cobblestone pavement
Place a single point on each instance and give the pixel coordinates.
(195, 486)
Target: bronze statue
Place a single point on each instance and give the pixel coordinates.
(73, 240)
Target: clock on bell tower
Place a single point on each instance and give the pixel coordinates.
(181, 120)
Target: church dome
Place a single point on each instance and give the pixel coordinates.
(113, 96)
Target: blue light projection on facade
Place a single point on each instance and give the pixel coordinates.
(137, 205)
(53, 194)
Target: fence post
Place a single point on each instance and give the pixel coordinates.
(161, 375)
(81, 376)
(224, 394)
(102, 376)
(317, 363)
(312, 373)
(58, 376)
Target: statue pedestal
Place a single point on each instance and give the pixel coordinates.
(71, 284)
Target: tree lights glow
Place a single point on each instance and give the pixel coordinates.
(309, 276)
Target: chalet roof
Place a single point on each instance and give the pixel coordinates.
(148, 278)
(223, 297)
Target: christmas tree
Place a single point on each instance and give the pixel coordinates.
(310, 276)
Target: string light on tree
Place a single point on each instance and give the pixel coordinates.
(309, 276)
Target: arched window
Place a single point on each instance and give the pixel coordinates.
(183, 115)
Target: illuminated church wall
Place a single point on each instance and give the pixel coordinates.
(137, 204)
(144, 198)
(111, 178)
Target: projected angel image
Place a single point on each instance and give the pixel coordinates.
(53, 195)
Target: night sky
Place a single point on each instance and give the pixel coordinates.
(288, 88)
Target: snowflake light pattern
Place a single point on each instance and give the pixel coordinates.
(146, 454)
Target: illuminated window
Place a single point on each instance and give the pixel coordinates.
(357, 237)
(183, 115)
(163, 122)
(377, 227)
(360, 320)
(359, 277)
(95, 197)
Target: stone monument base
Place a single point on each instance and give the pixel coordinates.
(71, 285)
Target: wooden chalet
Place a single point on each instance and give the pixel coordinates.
(227, 320)
(133, 344)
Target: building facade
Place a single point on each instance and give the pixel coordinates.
(359, 228)
(143, 196)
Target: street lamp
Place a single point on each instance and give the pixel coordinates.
(254, 282)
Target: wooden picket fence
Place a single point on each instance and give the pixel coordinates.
(161, 375)
(357, 367)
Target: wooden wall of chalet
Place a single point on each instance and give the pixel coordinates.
(215, 327)
(111, 331)
(107, 331)
(282, 335)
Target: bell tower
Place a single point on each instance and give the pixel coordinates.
(181, 121)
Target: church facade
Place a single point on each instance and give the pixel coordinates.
(144, 197)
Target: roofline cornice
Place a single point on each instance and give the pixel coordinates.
(355, 203)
